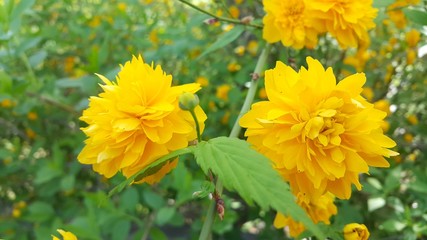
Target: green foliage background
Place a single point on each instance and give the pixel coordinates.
(49, 52)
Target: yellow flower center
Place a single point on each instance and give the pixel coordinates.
(293, 15)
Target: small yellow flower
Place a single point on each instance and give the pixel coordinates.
(6, 103)
(238, 1)
(222, 91)
(16, 213)
(408, 137)
(233, 67)
(355, 231)
(137, 120)
(413, 37)
(203, 81)
(383, 105)
(412, 119)
(95, 22)
(396, 15)
(225, 118)
(411, 55)
(252, 47)
(32, 116)
(262, 93)
(385, 126)
(240, 50)
(154, 38)
(319, 134)
(368, 93)
(227, 27)
(30, 133)
(122, 6)
(412, 157)
(65, 235)
(234, 11)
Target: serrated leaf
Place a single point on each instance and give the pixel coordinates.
(149, 169)
(225, 39)
(248, 172)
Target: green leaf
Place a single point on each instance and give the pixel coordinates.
(149, 170)
(416, 16)
(225, 39)
(129, 199)
(382, 3)
(121, 230)
(243, 169)
(153, 199)
(40, 211)
(164, 215)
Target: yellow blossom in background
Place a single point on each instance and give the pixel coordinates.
(233, 67)
(319, 210)
(154, 38)
(412, 157)
(30, 133)
(320, 135)
(262, 93)
(348, 21)
(225, 118)
(227, 27)
(412, 119)
(253, 47)
(203, 81)
(383, 105)
(411, 55)
(146, 1)
(69, 64)
(408, 137)
(286, 21)
(359, 60)
(6, 103)
(389, 73)
(238, 1)
(413, 37)
(355, 231)
(32, 116)
(368, 93)
(222, 91)
(65, 235)
(95, 22)
(136, 120)
(234, 11)
(396, 15)
(240, 50)
(16, 213)
(122, 6)
(385, 126)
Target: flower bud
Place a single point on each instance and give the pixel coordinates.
(188, 101)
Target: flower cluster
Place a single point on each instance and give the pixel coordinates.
(320, 135)
(137, 120)
(298, 23)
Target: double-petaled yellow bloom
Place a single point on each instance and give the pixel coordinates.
(137, 120)
(320, 135)
(297, 23)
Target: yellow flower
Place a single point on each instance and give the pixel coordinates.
(385, 126)
(396, 15)
(240, 50)
(30, 133)
(202, 81)
(222, 91)
(262, 93)
(234, 11)
(122, 6)
(408, 137)
(347, 20)
(65, 235)
(368, 93)
(16, 212)
(411, 55)
(6, 103)
(319, 210)
(383, 105)
(320, 135)
(233, 67)
(253, 47)
(32, 116)
(359, 59)
(238, 1)
(137, 120)
(412, 119)
(413, 37)
(287, 21)
(355, 231)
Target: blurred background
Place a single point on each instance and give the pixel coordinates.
(50, 50)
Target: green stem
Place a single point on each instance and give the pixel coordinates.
(224, 19)
(252, 90)
(210, 216)
(193, 114)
